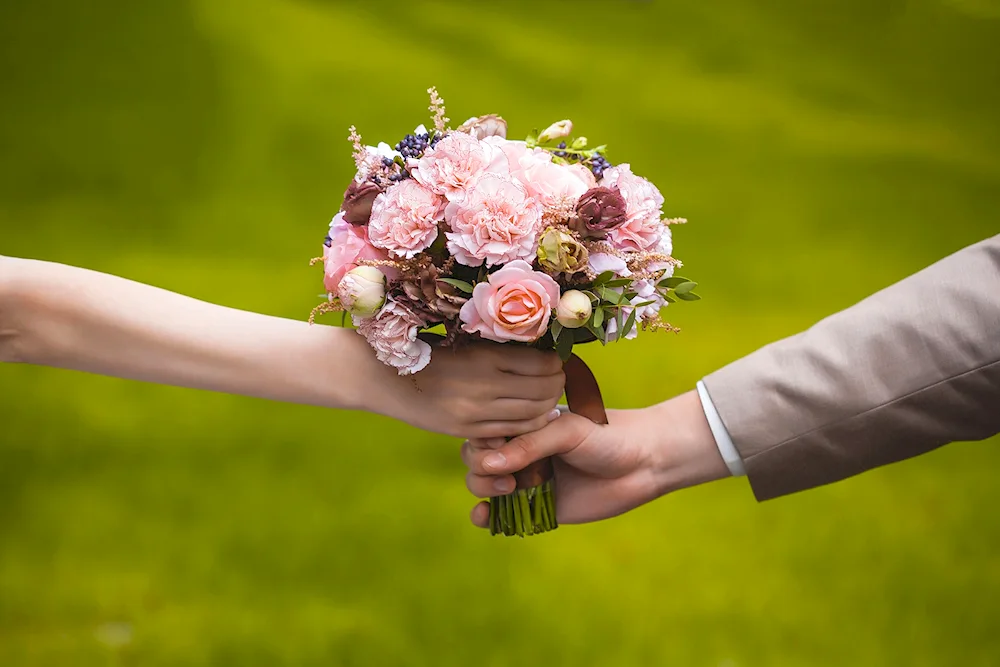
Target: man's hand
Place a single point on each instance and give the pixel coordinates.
(484, 390)
(603, 471)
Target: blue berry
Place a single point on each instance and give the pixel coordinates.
(328, 241)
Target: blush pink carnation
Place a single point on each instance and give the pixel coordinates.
(520, 158)
(557, 185)
(392, 333)
(515, 305)
(643, 203)
(497, 222)
(405, 219)
(456, 163)
(349, 245)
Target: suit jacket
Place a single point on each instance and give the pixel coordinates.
(907, 370)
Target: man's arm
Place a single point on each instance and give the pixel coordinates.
(909, 369)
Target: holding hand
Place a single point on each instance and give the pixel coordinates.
(603, 471)
(484, 390)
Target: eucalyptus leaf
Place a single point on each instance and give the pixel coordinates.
(597, 331)
(603, 278)
(598, 317)
(688, 296)
(667, 298)
(458, 284)
(643, 303)
(672, 281)
(556, 330)
(593, 297)
(618, 282)
(685, 287)
(629, 323)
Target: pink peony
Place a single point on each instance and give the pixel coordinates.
(454, 165)
(405, 219)
(555, 185)
(348, 246)
(515, 304)
(642, 207)
(497, 222)
(393, 335)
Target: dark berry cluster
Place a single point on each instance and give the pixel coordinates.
(598, 164)
(414, 145)
(562, 144)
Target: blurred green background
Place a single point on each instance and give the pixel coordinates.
(821, 150)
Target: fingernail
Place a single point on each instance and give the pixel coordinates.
(554, 415)
(496, 460)
(502, 486)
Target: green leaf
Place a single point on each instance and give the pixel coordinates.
(565, 347)
(458, 284)
(603, 278)
(685, 287)
(609, 296)
(597, 331)
(600, 149)
(579, 143)
(668, 299)
(628, 296)
(618, 282)
(644, 303)
(593, 297)
(688, 296)
(673, 281)
(598, 317)
(556, 330)
(629, 323)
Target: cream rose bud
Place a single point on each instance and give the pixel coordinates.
(574, 309)
(556, 131)
(362, 291)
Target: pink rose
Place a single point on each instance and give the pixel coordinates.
(556, 184)
(405, 219)
(519, 157)
(515, 304)
(348, 245)
(455, 164)
(497, 222)
(393, 335)
(642, 207)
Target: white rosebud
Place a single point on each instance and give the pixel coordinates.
(574, 309)
(556, 131)
(362, 291)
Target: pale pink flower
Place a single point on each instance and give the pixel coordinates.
(643, 203)
(497, 222)
(601, 262)
(520, 158)
(405, 219)
(515, 305)
(392, 333)
(646, 291)
(556, 185)
(348, 245)
(456, 163)
(664, 247)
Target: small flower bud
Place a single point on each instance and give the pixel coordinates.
(559, 252)
(482, 127)
(362, 291)
(579, 143)
(556, 131)
(574, 309)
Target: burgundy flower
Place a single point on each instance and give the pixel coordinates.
(358, 200)
(598, 212)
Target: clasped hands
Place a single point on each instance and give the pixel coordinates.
(601, 471)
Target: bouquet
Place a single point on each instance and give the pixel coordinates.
(539, 242)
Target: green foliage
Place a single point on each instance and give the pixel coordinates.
(821, 152)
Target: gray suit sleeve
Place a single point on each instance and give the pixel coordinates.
(909, 369)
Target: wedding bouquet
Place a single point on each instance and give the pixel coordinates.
(538, 242)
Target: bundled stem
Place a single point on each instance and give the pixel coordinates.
(525, 512)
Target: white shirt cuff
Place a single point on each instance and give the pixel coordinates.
(722, 440)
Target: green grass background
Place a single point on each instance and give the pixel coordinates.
(821, 150)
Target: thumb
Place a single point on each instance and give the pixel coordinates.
(559, 437)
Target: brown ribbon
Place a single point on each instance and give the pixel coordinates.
(583, 396)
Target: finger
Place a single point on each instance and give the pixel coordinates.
(480, 515)
(535, 387)
(485, 486)
(527, 361)
(559, 437)
(516, 409)
(510, 429)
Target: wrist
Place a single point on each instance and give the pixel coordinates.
(683, 451)
(12, 300)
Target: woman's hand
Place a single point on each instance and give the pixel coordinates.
(484, 390)
(603, 471)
